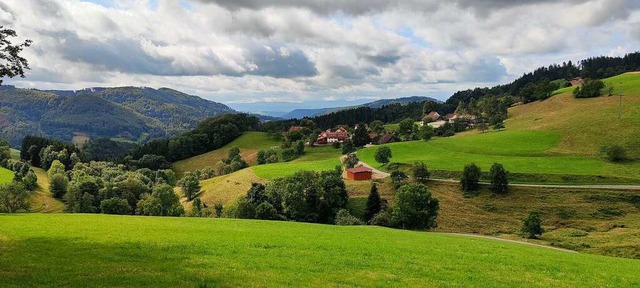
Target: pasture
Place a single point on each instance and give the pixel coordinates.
(315, 159)
(6, 175)
(73, 250)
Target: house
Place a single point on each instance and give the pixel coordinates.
(388, 138)
(295, 128)
(359, 173)
(327, 137)
(432, 116)
(436, 124)
(576, 81)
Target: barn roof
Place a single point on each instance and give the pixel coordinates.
(359, 169)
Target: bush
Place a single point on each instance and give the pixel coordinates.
(345, 219)
(469, 181)
(590, 88)
(615, 153)
(59, 184)
(420, 172)
(245, 209)
(115, 206)
(499, 179)
(383, 218)
(351, 160)
(532, 226)
(288, 154)
(219, 209)
(383, 154)
(266, 211)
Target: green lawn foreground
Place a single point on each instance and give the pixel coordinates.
(76, 250)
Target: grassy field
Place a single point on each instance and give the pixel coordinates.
(227, 188)
(15, 154)
(315, 159)
(69, 250)
(561, 135)
(42, 200)
(249, 143)
(6, 175)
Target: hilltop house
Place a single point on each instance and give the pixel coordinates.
(576, 81)
(329, 136)
(432, 116)
(359, 173)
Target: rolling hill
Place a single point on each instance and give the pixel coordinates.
(561, 135)
(126, 113)
(70, 250)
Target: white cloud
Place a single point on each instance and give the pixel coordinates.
(284, 50)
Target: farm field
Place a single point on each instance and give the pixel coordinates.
(315, 159)
(249, 143)
(69, 250)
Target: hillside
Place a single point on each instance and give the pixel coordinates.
(126, 113)
(301, 113)
(559, 136)
(72, 250)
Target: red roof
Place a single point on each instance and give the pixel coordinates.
(359, 169)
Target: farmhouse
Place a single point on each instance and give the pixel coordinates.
(295, 128)
(576, 81)
(359, 173)
(339, 135)
(432, 116)
(388, 138)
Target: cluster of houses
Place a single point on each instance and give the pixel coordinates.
(435, 120)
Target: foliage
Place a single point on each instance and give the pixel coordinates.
(383, 154)
(219, 209)
(288, 154)
(426, 132)
(13, 64)
(266, 211)
(532, 225)
(162, 202)
(374, 203)
(267, 156)
(351, 160)
(14, 197)
(115, 206)
(348, 147)
(420, 172)
(343, 218)
(615, 153)
(190, 185)
(589, 89)
(415, 208)
(361, 136)
(469, 181)
(382, 218)
(499, 179)
(58, 185)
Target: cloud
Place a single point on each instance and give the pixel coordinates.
(286, 50)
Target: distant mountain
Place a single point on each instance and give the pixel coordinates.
(301, 113)
(127, 113)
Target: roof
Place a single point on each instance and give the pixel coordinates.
(386, 138)
(433, 115)
(359, 169)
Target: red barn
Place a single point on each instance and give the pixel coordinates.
(359, 173)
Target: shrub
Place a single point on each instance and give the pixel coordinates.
(266, 211)
(288, 154)
(532, 226)
(59, 184)
(345, 219)
(499, 179)
(383, 154)
(469, 181)
(115, 206)
(245, 209)
(218, 209)
(590, 88)
(351, 161)
(420, 172)
(383, 218)
(13, 197)
(615, 153)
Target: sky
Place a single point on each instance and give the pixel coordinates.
(310, 53)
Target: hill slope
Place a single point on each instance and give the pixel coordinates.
(301, 113)
(129, 113)
(72, 250)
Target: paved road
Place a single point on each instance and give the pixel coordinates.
(560, 186)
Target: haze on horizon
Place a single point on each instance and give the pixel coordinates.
(243, 51)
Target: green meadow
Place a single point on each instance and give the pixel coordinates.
(6, 175)
(40, 250)
(315, 159)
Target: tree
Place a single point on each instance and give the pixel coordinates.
(56, 168)
(426, 132)
(383, 154)
(256, 194)
(190, 185)
(398, 177)
(420, 172)
(299, 147)
(470, 178)
(415, 208)
(58, 185)
(344, 218)
(13, 197)
(115, 206)
(244, 209)
(532, 225)
(361, 136)
(262, 157)
(374, 203)
(377, 126)
(162, 202)
(499, 179)
(615, 153)
(347, 147)
(266, 211)
(588, 89)
(405, 126)
(11, 64)
(351, 161)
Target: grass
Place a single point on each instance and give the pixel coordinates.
(227, 188)
(42, 200)
(105, 251)
(6, 175)
(315, 159)
(15, 154)
(249, 143)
